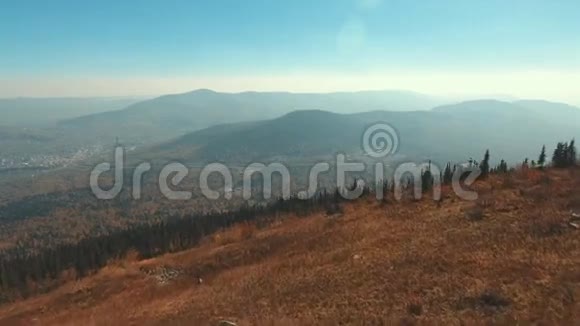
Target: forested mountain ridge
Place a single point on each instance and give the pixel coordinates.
(456, 131)
(199, 109)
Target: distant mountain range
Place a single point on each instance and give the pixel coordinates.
(511, 131)
(31, 112)
(204, 125)
(172, 115)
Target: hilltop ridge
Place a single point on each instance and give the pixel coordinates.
(450, 132)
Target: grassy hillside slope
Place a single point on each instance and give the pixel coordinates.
(510, 257)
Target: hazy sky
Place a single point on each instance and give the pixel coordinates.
(528, 48)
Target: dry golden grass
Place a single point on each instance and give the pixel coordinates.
(402, 263)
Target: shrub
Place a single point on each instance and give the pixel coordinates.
(476, 213)
(415, 309)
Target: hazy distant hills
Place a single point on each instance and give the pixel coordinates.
(456, 132)
(172, 115)
(540, 109)
(31, 112)
(207, 125)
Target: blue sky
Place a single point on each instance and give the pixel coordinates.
(183, 40)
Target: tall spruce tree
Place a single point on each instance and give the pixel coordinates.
(564, 155)
(448, 174)
(571, 153)
(484, 165)
(542, 158)
(559, 156)
(427, 178)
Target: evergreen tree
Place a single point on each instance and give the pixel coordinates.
(542, 158)
(564, 155)
(448, 174)
(502, 167)
(484, 166)
(571, 153)
(559, 156)
(427, 179)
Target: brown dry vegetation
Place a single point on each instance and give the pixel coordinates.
(508, 258)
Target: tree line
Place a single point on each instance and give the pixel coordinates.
(565, 155)
(19, 268)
